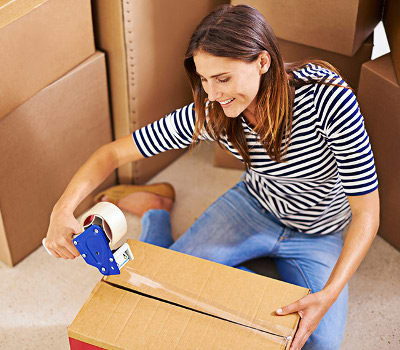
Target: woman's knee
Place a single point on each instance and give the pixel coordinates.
(156, 228)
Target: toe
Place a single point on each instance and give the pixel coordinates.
(104, 198)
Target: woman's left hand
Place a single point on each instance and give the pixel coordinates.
(311, 309)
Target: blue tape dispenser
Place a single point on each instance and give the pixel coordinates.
(104, 226)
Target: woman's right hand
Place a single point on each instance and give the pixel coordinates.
(63, 225)
(92, 173)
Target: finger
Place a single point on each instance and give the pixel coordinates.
(65, 249)
(54, 253)
(67, 243)
(300, 337)
(71, 247)
(71, 253)
(301, 343)
(77, 228)
(304, 340)
(65, 253)
(289, 309)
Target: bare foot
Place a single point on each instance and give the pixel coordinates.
(139, 202)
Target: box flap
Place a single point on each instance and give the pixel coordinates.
(384, 68)
(214, 289)
(11, 10)
(114, 318)
(340, 26)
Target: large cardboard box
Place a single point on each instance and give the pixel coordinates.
(168, 300)
(391, 21)
(348, 66)
(145, 42)
(43, 143)
(225, 159)
(379, 96)
(340, 26)
(40, 41)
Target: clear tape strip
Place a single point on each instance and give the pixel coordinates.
(179, 296)
(276, 338)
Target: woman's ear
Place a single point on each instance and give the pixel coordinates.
(264, 61)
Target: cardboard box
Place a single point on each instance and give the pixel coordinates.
(339, 26)
(43, 143)
(391, 16)
(379, 96)
(168, 300)
(225, 159)
(145, 42)
(349, 67)
(41, 40)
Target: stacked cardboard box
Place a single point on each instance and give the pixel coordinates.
(168, 300)
(145, 42)
(41, 40)
(391, 17)
(54, 113)
(379, 96)
(339, 32)
(348, 66)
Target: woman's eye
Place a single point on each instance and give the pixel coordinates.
(203, 80)
(223, 80)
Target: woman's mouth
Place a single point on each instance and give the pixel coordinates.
(226, 102)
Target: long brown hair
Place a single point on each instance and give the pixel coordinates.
(242, 33)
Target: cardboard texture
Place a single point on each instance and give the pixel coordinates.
(379, 96)
(40, 41)
(225, 159)
(349, 67)
(12, 10)
(145, 42)
(168, 300)
(338, 26)
(391, 17)
(43, 143)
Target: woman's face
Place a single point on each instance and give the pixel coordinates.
(230, 82)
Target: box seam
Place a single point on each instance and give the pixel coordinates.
(191, 309)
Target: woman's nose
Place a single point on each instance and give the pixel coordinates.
(213, 92)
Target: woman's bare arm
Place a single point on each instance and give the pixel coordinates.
(90, 175)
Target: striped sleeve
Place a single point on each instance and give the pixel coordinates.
(174, 131)
(343, 123)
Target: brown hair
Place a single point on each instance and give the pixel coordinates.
(241, 32)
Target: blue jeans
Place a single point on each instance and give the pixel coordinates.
(236, 228)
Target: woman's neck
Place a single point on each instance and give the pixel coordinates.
(249, 114)
(250, 119)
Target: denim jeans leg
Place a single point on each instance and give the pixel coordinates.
(156, 228)
(232, 230)
(308, 261)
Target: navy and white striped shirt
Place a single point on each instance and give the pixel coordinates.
(329, 156)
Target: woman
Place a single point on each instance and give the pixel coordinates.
(310, 170)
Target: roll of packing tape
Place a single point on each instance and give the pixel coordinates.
(110, 218)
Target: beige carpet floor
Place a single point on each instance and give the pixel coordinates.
(41, 296)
